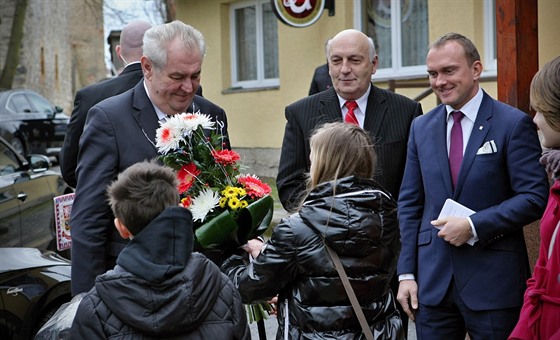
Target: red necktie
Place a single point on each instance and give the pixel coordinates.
(456, 146)
(350, 116)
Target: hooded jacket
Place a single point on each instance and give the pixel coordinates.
(159, 288)
(359, 222)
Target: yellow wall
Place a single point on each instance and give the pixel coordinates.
(549, 30)
(256, 117)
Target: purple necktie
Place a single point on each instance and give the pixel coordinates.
(350, 116)
(456, 146)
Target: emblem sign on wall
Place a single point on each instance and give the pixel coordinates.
(298, 13)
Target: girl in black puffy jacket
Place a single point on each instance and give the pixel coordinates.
(357, 219)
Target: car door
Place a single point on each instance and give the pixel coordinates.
(34, 121)
(10, 221)
(27, 203)
(44, 126)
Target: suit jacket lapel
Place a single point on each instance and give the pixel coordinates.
(480, 130)
(144, 113)
(329, 110)
(375, 112)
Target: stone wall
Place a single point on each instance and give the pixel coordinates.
(262, 162)
(62, 41)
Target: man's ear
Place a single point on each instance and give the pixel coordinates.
(118, 51)
(123, 231)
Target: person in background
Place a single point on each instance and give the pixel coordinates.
(321, 80)
(129, 50)
(159, 287)
(353, 215)
(459, 274)
(540, 314)
(121, 131)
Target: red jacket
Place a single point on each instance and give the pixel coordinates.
(540, 315)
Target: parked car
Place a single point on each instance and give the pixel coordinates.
(30, 123)
(27, 189)
(33, 285)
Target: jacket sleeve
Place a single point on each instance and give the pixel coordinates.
(270, 272)
(69, 150)
(91, 217)
(241, 329)
(86, 324)
(529, 186)
(293, 163)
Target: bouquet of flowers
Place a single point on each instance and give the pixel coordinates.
(228, 208)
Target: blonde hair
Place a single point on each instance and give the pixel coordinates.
(545, 93)
(339, 150)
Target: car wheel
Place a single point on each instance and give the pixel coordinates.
(18, 145)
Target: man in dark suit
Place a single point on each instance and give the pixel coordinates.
(385, 115)
(461, 274)
(121, 131)
(321, 79)
(129, 51)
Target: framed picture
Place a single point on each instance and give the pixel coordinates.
(62, 210)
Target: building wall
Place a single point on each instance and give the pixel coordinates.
(60, 39)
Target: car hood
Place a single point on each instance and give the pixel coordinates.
(26, 258)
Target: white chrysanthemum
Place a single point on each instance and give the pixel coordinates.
(191, 121)
(168, 137)
(203, 204)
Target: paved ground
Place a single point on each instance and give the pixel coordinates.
(271, 326)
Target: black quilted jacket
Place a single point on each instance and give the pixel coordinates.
(360, 224)
(160, 289)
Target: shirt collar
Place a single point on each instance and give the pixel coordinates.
(470, 109)
(160, 114)
(362, 101)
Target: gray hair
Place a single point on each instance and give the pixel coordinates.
(157, 38)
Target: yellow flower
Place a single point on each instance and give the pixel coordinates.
(223, 202)
(243, 204)
(229, 192)
(234, 203)
(241, 191)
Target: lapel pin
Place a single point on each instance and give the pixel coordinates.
(480, 127)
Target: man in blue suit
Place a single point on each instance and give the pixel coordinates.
(463, 275)
(121, 131)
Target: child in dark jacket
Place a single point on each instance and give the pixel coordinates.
(159, 287)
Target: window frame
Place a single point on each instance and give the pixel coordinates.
(396, 72)
(260, 82)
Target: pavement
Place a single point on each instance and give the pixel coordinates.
(271, 326)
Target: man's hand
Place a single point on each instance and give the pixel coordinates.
(455, 230)
(408, 297)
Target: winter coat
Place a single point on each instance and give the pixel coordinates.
(360, 224)
(540, 315)
(159, 288)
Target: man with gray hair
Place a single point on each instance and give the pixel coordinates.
(121, 131)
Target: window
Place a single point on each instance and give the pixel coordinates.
(399, 29)
(254, 44)
(490, 46)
